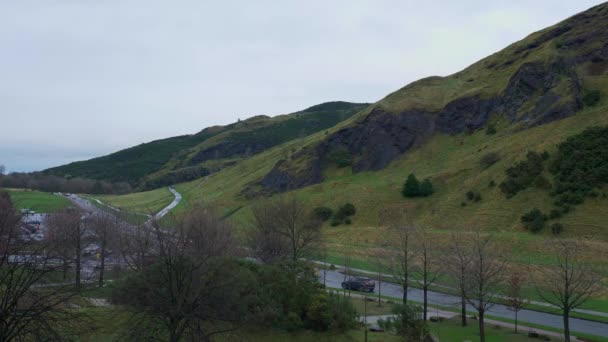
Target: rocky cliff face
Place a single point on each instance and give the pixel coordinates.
(538, 92)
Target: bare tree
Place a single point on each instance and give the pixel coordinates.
(263, 239)
(379, 260)
(2, 169)
(457, 262)
(570, 282)
(136, 244)
(190, 284)
(65, 230)
(104, 227)
(29, 311)
(291, 230)
(401, 259)
(485, 276)
(428, 267)
(515, 295)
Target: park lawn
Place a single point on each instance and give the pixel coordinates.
(38, 201)
(450, 330)
(148, 202)
(111, 322)
(373, 309)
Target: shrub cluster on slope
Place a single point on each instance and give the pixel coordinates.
(580, 166)
(413, 187)
(525, 174)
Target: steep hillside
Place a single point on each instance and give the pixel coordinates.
(533, 95)
(535, 81)
(183, 158)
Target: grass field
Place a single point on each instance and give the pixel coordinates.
(40, 202)
(148, 202)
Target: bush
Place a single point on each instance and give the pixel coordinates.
(477, 197)
(492, 184)
(343, 214)
(555, 214)
(329, 311)
(524, 174)
(347, 209)
(342, 158)
(557, 228)
(489, 159)
(580, 166)
(470, 195)
(323, 213)
(409, 323)
(411, 188)
(591, 98)
(426, 188)
(534, 220)
(491, 129)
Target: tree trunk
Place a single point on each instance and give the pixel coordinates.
(379, 289)
(65, 269)
(463, 311)
(426, 303)
(78, 263)
(516, 321)
(566, 325)
(102, 263)
(482, 331)
(405, 294)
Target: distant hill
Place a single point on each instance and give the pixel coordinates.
(182, 158)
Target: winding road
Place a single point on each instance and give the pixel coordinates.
(165, 210)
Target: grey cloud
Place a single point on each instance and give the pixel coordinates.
(84, 78)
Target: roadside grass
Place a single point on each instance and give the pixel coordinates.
(38, 201)
(450, 330)
(269, 335)
(472, 322)
(148, 202)
(110, 324)
(373, 308)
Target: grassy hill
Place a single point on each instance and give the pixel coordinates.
(163, 162)
(534, 96)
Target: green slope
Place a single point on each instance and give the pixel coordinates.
(451, 159)
(163, 162)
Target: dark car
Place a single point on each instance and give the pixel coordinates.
(359, 284)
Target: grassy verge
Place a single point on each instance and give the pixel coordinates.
(40, 202)
(391, 300)
(148, 202)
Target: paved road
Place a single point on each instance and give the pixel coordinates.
(176, 200)
(448, 288)
(335, 278)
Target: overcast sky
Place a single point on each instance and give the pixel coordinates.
(80, 79)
